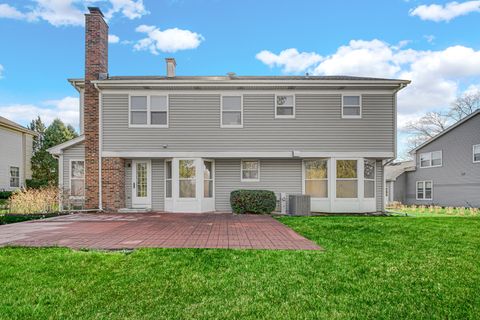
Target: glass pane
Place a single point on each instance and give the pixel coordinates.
(250, 174)
(139, 117)
(428, 190)
(436, 162)
(14, 172)
(351, 100)
(316, 188)
(351, 111)
(14, 182)
(476, 156)
(141, 179)
(168, 169)
(232, 118)
(208, 188)
(420, 190)
(369, 189)
(347, 169)
(316, 169)
(78, 188)
(425, 163)
(187, 188)
(158, 103)
(168, 188)
(284, 100)
(78, 170)
(186, 169)
(285, 111)
(369, 169)
(158, 117)
(250, 165)
(207, 169)
(138, 103)
(232, 103)
(347, 189)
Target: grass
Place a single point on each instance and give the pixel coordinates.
(435, 211)
(382, 267)
(3, 206)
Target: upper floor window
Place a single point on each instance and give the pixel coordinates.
(232, 112)
(424, 190)
(352, 106)
(431, 159)
(284, 106)
(476, 153)
(14, 177)
(250, 170)
(149, 110)
(77, 178)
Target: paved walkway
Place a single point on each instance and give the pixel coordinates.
(156, 230)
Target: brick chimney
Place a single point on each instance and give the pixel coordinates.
(96, 62)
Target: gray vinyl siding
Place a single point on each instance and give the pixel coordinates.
(75, 152)
(158, 176)
(399, 188)
(275, 175)
(194, 125)
(380, 187)
(457, 181)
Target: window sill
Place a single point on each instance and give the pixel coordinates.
(231, 127)
(284, 117)
(351, 117)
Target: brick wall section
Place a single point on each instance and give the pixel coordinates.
(113, 183)
(96, 61)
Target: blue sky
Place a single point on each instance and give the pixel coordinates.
(433, 43)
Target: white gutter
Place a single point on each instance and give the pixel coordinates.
(100, 199)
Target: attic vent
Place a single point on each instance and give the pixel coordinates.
(231, 75)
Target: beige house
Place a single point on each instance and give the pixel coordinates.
(15, 154)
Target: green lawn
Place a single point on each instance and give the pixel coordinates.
(372, 267)
(436, 211)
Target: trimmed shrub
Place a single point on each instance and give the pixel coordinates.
(253, 201)
(5, 194)
(36, 183)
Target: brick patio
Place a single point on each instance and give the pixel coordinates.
(155, 230)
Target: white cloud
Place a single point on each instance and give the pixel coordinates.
(129, 8)
(437, 76)
(71, 12)
(113, 38)
(290, 59)
(447, 12)
(169, 40)
(66, 109)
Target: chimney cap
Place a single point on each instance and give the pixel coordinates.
(95, 10)
(171, 60)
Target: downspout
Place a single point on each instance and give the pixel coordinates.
(100, 203)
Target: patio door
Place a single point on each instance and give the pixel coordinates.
(141, 184)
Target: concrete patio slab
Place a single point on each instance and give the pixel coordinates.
(155, 230)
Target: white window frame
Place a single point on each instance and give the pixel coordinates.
(430, 155)
(70, 178)
(10, 177)
(359, 195)
(360, 105)
(367, 179)
(166, 179)
(424, 188)
(304, 177)
(148, 124)
(221, 111)
(241, 170)
(179, 179)
(277, 116)
(212, 178)
(473, 153)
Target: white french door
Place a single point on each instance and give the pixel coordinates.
(141, 184)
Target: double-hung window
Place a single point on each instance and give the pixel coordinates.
(207, 179)
(232, 112)
(77, 178)
(347, 179)
(351, 106)
(149, 111)
(431, 159)
(187, 178)
(168, 179)
(14, 177)
(316, 178)
(285, 106)
(476, 153)
(250, 170)
(369, 178)
(424, 190)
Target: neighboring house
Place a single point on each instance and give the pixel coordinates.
(395, 178)
(446, 168)
(15, 155)
(183, 143)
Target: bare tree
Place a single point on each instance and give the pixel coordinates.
(428, 126)
(465, 105)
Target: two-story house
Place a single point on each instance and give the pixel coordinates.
(183, 143)
(445, 170)
(16, 144)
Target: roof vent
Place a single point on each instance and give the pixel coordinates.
(171, 64)
(231, 75)
(102, 76)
